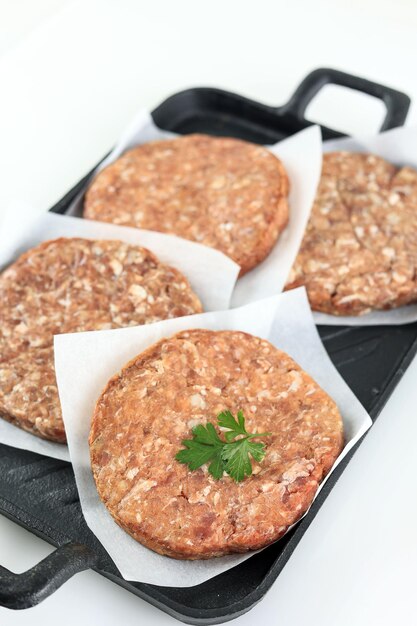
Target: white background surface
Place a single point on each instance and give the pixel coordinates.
(71, 76)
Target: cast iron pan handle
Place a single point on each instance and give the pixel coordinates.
(21, 591)
(396, 102)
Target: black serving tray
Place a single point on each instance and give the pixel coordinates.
(39, 493)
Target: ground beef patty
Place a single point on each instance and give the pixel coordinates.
(70, 285)
(359, 252)
(224, 193)
(147, 409)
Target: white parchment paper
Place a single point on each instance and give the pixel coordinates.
(18, 438)
(85, 361)
(212, 275)
(398, 146)
(301, 155)
(301, 158)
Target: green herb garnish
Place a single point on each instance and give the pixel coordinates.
(231, 456)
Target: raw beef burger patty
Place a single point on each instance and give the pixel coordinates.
(71, 285)
(147, 409)
(359, 251)
(225, 193)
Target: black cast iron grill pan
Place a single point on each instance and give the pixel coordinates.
(40, 494)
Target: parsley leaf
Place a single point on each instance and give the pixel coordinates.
(204, 447)
(207, 434)
(232, 456)
(216, 467)
(237, 460)
(236, 427)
